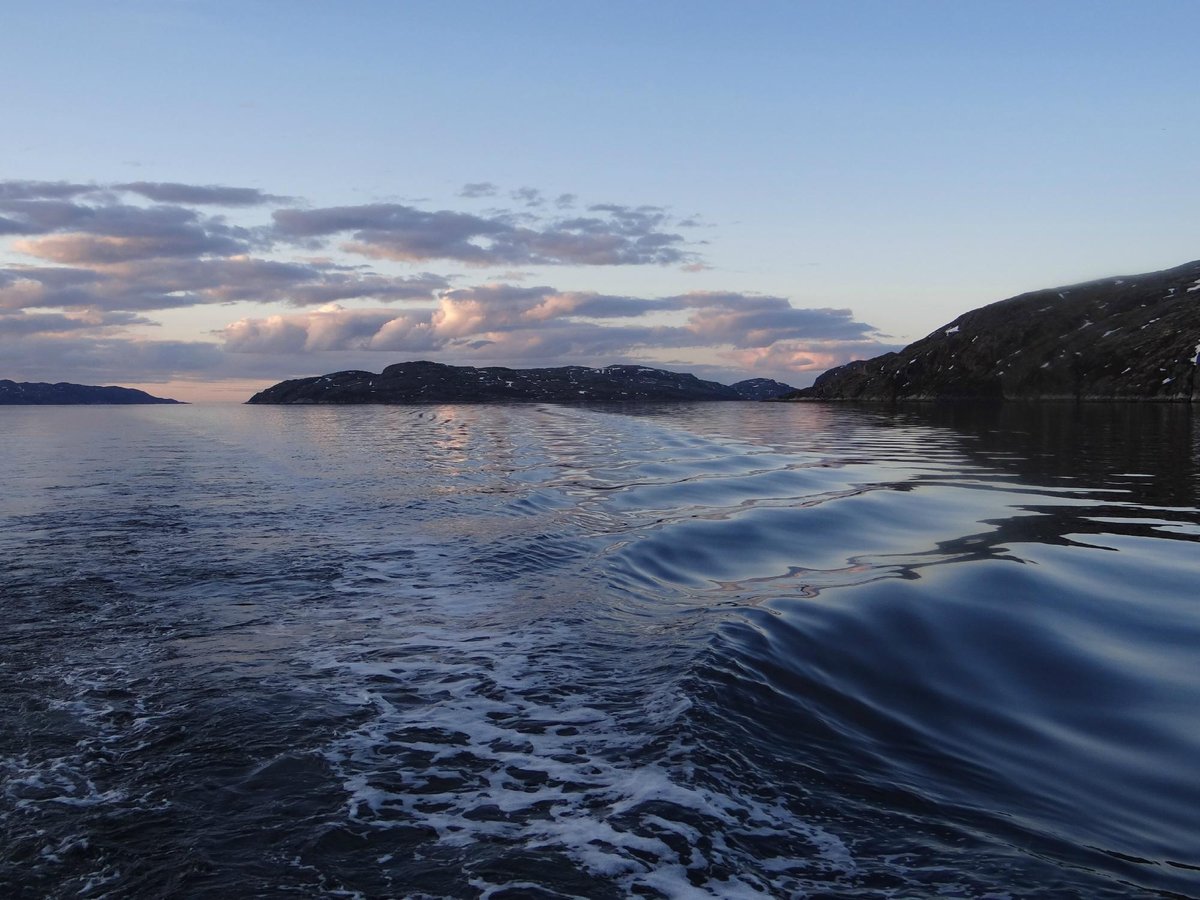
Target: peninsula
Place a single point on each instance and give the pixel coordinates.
(1131, 338)
(430, 382)
(38, 393)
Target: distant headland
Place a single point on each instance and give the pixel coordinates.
(1131, 338)
(37, 393)
(430, 382)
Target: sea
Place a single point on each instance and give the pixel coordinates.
(732, 650)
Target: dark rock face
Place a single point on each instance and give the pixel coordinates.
(1131, 338)
(761, 389)
(428, 382)
(30, 393)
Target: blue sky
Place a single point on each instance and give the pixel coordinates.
(760, 188)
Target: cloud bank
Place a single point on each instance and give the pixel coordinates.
(84, 268)
(543, 325)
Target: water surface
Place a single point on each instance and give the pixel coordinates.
(723, 650)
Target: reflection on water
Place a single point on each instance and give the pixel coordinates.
(713, 650)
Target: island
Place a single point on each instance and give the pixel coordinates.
(1131, 338)
(761, 389)
(430, 382)
(38, 393)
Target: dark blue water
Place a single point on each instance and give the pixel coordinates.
(730, 650)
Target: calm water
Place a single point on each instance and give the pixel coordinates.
(728, 650)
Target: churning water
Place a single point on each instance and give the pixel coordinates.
(724, 650)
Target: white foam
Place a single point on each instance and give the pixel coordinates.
(488, 890)
(480, 735)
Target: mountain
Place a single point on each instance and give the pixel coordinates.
(1130, 338)
(429, 382)
(761, 389)
(30, 393)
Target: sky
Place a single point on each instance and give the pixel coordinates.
(201, 199)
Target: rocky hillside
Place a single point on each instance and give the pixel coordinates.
(1130, 338)
(428, 382)
(761, 389)
(36, 393)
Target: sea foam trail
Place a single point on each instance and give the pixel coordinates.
(496, 742)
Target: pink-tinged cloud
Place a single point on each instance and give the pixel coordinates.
(799, 358)
(333, 328)
(536, 325)
(90, 249)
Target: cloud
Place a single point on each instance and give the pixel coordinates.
(166, 283)
(762, 327)
(99, 251)
(104, 360)
(528, 196)
(330, 286)
(717, 317)
(22, 323)
(274, 334)
(40, 215)
(478, 189)
(617, 235)
(208, 194)
(796, 358)
(36, 190)
(588, 305)
(65, 231)
(393, 231)
(95, 259)
(270, 281)
(334, 328)
(541, 326)
(33, 286)
(87, 249)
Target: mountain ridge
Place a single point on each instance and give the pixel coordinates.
(423, 381)
(1133, 337)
